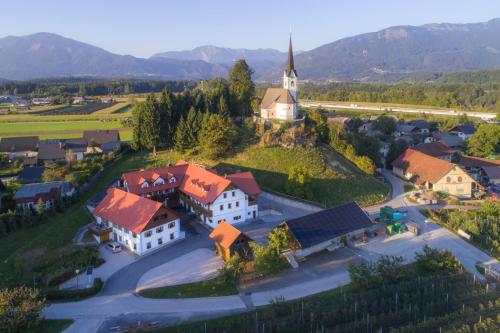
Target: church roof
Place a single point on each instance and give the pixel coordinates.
(290, 67)
(276, 95)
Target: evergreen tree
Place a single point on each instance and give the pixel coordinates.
(180, 137)
(150, 134)
(188, 128)
(241, 87)
(223, 107)
(217, 136)
(166, 109)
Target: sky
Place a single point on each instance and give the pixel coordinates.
(142, 28)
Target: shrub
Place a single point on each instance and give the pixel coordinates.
(59, 295)
(20, 309)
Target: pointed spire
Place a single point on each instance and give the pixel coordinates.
(290, 65)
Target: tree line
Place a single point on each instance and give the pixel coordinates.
(89, 87)
(202, 120)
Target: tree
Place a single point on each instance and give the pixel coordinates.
(167, 125)
(319, 125)
(385, 124)
(268, 259)
(40, 207)
(434, 260)
(223, 107)
(20, 309)
(388, 269)
(396, 148)
(146, 124)
(299, 182)
(52, 173)
(217, 136)
(241, 87)
(365, 164)
(181, 139)
(485, 141)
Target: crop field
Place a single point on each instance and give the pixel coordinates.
(60, 129)
(120, 107)
(74, 109)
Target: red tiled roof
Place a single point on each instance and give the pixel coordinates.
(424, 168)
(135, 179)
(245, 182)
(225, 234)
(131, 211)
(201, 184)
(471, 161)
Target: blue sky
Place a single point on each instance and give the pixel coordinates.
(141, 28)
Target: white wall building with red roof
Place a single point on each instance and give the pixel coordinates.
(137, 223)
(212, 197)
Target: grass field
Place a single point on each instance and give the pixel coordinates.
(121, 107)
(60, 129)
(209, 288)
(54, 325)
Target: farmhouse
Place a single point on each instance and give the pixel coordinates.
(139, 224)
(212, 197)
(29, 195)
(51, 151)
(437, 149)
(282, 103)
(326, 229)
(484, 169)
(99, 137)
(230, 241)
(434, 174)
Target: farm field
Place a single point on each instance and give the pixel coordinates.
(120, 107)
(74, 109)
(60, 129)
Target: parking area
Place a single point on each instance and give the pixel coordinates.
(198, 265)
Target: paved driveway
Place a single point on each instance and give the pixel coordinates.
(198, 265)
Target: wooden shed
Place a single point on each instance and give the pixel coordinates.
(229, 241)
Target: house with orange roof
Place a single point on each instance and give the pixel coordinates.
(431, 173)
(230, 241)
(212, 197)
(141, 225)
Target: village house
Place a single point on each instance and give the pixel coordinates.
(106, 140)
(51, 151)
(230, 241)
(78, 100)
(438, 150)
(482, 169)
(213, 198)
(463, 131)
(29, 195)
(427, 172)
(404, 129)
(282, 103)
(421, 125)
(450, 140)
(327, 229)
(25, 147)
(41, 101)
(139, 224)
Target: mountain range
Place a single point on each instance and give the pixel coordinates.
(389, 54)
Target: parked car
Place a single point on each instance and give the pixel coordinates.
(114, 247)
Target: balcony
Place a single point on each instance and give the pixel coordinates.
(252, 202)
(197, 207)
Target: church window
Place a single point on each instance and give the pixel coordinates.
(291, 83)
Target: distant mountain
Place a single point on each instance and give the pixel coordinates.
(398, 51)
(48, 55)
(261, 60)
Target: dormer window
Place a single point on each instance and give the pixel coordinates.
(145, 185)
(172, 180)
(159, 181)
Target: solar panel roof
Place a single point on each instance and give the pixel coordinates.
(327, 224)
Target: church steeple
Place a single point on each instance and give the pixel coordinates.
(290, 65)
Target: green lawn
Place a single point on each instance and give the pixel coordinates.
(42, 126)
(53, 325)
(209, 288)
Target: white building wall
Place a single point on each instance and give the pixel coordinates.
(286, 111)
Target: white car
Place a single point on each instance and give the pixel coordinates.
(114, 247)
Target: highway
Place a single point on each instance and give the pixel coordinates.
(333, 105)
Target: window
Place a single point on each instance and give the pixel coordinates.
(172, 236)
(172, 180)
(148, 245)
(221, 207)
(120, 238)
(237, 203)
(448, 179)
(135, 246)
(159, 229)
(160, 241)
(459, 179)
(233, 193)
(225, 195)
(148, 233)
(171, 225)
(229, 206)
(236, 218)
(134, 235)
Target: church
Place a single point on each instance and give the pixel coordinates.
(282, 103)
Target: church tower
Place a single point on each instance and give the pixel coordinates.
(290, 75)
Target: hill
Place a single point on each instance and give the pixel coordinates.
(397, 52)
(261, 60)
(48, 55)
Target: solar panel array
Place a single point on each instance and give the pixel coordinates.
(327, 224)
